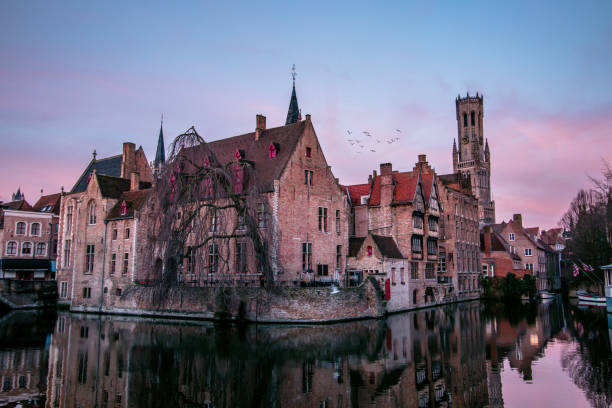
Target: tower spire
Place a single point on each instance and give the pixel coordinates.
(293, 113)
(160, 154)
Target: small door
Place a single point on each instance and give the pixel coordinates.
(388, 289)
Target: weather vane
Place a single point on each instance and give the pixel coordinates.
(293, 73)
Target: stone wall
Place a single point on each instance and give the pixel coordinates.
(279, 304)
(17, 294)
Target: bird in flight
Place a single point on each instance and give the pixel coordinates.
(397, 130)
(372, 150)
(349, 132)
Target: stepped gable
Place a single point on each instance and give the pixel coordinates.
(256, 151)
(356, 191)
(134, 201)
(51, 201)
(109, 166)
(387, 246)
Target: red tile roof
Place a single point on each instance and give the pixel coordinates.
(21, 205)
(357, 191)
(427, 180)
(52, 201)
(404, 188)
(134, 201)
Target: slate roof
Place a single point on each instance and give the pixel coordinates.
(21, 205)
(355, 246)
(356, 191)
(134, 200)
(387, 246)
(293, 113)
(160, 154)
(266, 169)
(51, 200)
(112, 187)
(109, 166)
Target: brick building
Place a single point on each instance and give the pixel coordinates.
(471, 155)
(28, 237)
(498, 257)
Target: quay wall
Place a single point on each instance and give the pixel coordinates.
(22, 294)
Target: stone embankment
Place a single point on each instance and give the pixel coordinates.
(18, 294)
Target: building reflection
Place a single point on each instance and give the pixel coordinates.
(451, 356)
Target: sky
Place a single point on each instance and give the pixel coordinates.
(78, 76)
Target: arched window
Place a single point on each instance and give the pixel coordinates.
(20, 228)
(92, 213)
(11, 248)
(69, 210)
(41, 249)
(35, 229)
(472, 118)
(26, 248)
(465, 120)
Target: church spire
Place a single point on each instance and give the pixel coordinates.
(160, 154)
(293, 113)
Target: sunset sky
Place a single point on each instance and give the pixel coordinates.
(79, 76)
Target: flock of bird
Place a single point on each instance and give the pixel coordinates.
(368, 141)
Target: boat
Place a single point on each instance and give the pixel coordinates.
(607, 269)
(585, 296)
(590, 303)
(546, 295)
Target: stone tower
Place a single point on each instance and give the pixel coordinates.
(471, 156)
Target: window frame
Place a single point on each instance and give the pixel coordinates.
(17, 229)
(38, 246)
(30, 248)
(90, 257)
(39, 229)
(92, 217)
(16, 248)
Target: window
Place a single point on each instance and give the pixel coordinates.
(261, 215)
(118, 292)
(63, 289)
(69, 219)
(92, 213)
(432, 246)
(472, 120)
(26, 248)
(433, 223)
(529, 266)
(308, 177)
(527, 251)
(11, 248)
(417, 221)
(393, 277)
(511, 236)
(82, 377)
(402, 276)
(41, 249)
(338, 221)
(465, 120)
(213, 258)
(67, 253)
(241, 257)
(114, 235)
(322, 270)
(113, 265)
(86, 293)
(369, 250)
(308, 152)
(190, 259)
(89, 259)
(126, 258)
(127, 233)
(417, 244)
(442, 261)
(20, 228)
(485, 269)
(35, 229)
(322, 219)
(429, 270)
(306, 256)
(55, 247)
(339, 257)
(414, 270)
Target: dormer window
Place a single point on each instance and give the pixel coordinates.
(123, 208)
(206, 162)
(273, 150)
(369, 250)
(308, 152)
(239, 154)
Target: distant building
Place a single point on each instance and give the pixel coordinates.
(29, 237)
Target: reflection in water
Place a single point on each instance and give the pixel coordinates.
(442, 357)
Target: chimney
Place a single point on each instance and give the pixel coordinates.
(518, 218)
(422, 158)
(385, 169)
(370, 179)
(308, 117)
(128, 163)
(135, 181)
(487, 239)
(260, 125)
(386, 184)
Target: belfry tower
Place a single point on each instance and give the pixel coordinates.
(471, 156)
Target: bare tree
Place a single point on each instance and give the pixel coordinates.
(207, 222)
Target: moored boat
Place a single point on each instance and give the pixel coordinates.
(607, 269)
(545, 295)
(585, 296)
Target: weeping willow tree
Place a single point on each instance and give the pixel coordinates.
(207, 221)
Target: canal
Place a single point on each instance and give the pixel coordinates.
(463, 355)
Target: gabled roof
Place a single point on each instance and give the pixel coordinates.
(355, 246)
(257, 151)
(387, 246)
(112, 187)
(404, 183)
(50, 203)
(499, 244)
(20, 205)
(109, 166)
(356, 191)
(134, 200)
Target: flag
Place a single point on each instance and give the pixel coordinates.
(576, 270)
(588, 268)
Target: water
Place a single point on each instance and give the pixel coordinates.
(464, 355)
